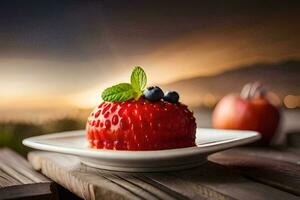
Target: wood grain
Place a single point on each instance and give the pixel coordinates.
(18, 180)
(15, 170)
(279, 169)
(209, 181)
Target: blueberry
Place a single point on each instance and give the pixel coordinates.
(153, 93)
(171, 96)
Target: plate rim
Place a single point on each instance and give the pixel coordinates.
(209, 148)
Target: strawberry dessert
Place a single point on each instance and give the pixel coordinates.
(133, 117)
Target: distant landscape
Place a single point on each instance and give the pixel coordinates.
(199, 92)
(12, 133)
(282, 78)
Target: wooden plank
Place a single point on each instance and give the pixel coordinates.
(209, 181)
(79, 179)
(218, 182)
(16, 170)
(18, 180)
(279, 169)
(29, 191)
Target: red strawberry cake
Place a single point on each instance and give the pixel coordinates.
(133, 117)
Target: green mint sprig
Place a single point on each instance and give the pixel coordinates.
(126, 91)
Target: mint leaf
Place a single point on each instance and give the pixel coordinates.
(126, 91)
(118, 93)
(138, 81)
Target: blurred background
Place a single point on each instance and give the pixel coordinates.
(57, 56)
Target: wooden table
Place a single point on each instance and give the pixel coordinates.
(18, 180)
(240, 173)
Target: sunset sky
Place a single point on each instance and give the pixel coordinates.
(60, 53)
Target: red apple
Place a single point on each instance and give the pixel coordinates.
(252, 110)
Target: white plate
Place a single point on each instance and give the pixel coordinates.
(208, 141)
